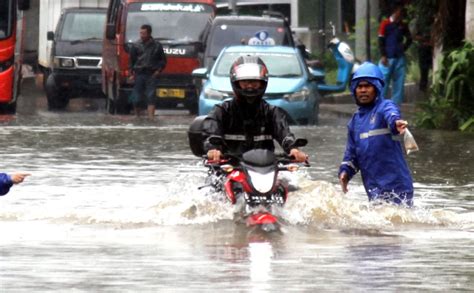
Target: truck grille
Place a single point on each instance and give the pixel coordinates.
(88, 62)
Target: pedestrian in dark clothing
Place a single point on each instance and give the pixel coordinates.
(247, 121)
(394, 40)
(425, 49)
(7, 181)
(373, 142)
(147, 60)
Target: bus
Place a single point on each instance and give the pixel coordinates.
(178, 25)
(11, 42)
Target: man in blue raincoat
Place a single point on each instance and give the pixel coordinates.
(6, 181)
(373, 141)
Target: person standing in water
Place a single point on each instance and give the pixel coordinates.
(373, 142)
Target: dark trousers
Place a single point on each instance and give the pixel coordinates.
(425, 57)
(144, 90)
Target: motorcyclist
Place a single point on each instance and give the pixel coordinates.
(247, 121)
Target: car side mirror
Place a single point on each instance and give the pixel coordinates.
(110, 31)
(50, 36)
(316, 74)
(200, 73)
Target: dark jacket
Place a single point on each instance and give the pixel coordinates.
(245, 128)
(147, 57)
(5, 183)
(394, 38)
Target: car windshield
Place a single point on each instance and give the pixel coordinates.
(83, 26)
(169, 21)
(278, 64)
(241, 34)
(6, 18)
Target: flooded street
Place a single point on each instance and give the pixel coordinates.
(113, 206)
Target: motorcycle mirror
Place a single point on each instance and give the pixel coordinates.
(300, 142)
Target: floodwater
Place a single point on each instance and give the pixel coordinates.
(113, 206)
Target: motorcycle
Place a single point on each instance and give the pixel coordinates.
(251, 183)
(346, 64)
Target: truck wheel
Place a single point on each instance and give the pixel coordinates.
(8, 108)
(193, 105)
(57, 99)
(121, 101)
(193, 109)
(57, 102)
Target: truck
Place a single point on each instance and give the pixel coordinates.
(70, 49)
(178, 25)
(11, 52)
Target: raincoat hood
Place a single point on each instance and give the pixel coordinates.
(371, 73)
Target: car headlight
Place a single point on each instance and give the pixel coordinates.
(63, 62)
(302, 95)
(215, 95)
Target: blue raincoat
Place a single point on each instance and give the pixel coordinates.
(5, 183)
(374, 147)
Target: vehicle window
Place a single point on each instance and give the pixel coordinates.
(81, 26)
(171, 21)
(278, 64)
(6, 18)
(227, 35)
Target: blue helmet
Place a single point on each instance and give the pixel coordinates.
(369, 72)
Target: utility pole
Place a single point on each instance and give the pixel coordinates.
(367, 27)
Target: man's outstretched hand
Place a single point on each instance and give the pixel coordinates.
(19, 177)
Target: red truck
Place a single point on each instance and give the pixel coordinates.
(178, 25)
(11, 52)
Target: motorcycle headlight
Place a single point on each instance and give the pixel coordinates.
(302, 95)
(215, 95)
(63, 62)
(263, 183)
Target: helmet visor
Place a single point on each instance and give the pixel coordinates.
(249, 72)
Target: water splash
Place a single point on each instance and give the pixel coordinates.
(320, 203)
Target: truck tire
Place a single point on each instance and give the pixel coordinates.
(57, 100)
(193, 105)
(120, 101)
(8, 108)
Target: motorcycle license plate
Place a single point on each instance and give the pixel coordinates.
(170, 93)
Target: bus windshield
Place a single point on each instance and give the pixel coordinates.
(82, 26)
(169, 21)
(7, 12)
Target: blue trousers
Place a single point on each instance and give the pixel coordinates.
(396, 71)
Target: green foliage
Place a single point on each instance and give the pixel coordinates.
(451, 105)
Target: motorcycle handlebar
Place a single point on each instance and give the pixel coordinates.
(283, 158)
